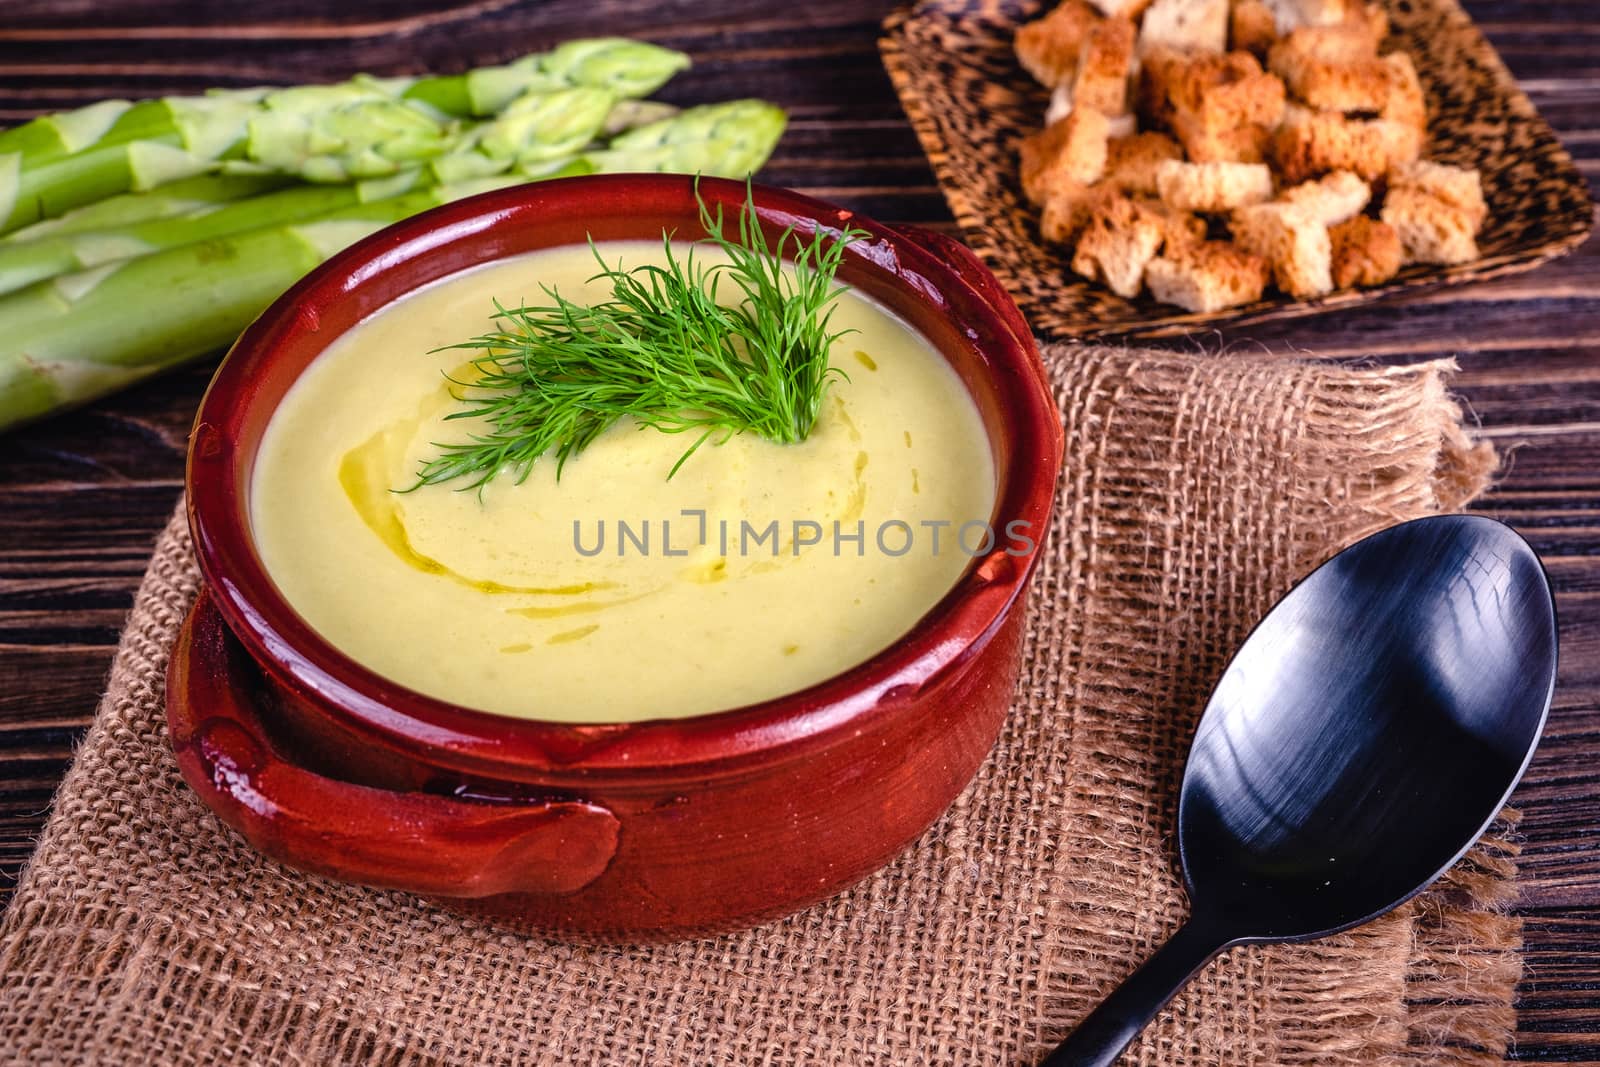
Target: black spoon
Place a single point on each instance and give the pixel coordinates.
(1364, 736)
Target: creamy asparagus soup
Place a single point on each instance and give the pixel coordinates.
(613, 592)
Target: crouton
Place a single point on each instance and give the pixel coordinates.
(1105, 67)
(1251, 143)
(1402, 143)
(1222, 108)
(1122, 236)
(1355, 39)
(1252, 27)
(1179, 229)
(1387, 85)
(1330, 200)
(1230, 90)
(1062, 220)
(1131, 161)
(1187, 25)
(1293, 243)
(1290, 15)
(1160, 71)
(1048, 48)
(1365, 252)
(1073, 149)
(1370, 20)
(1319, 44)
(1404, 138)
(1460, 187)
(1431, 229)
(1068, 209)
(1171, 79)
(1312, 143)
(1361, 85)
(1128, 9)
(1213, 187)
(1405, 102)
(1060, 104)
(1208, 276)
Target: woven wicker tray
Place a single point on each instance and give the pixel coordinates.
(952, 64)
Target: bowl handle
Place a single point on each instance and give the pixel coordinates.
(418, 842)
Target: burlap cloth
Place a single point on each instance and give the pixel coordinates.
(1196, 490)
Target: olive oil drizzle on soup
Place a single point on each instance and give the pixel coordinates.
(614, 594)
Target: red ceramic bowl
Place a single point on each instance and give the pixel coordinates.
(647, 829)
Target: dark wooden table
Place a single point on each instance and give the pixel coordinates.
(83, 496)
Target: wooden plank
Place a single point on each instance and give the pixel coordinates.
(1556, 1016)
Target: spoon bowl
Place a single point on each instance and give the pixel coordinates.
(1364, 736)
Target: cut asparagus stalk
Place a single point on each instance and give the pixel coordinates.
(82, 335)
(629, 114)
(184, 197)
(79, 336)
(363, 128)
(623, 67)
(24, 263)
(207, 191)
(729, 140)
(61, 134)
(537, 130)
(160, 141)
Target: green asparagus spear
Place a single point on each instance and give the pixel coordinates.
(61, 134)
(342, 135)
(200, 193)
(738, 136)
(621, 66)
(547, 126)
(630, 114)
(79, 336)
(208, 191)
(363, 128)
(27, 262)
(82, 335)
(625, 67)
(532, 130)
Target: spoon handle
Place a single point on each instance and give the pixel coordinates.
(1100, 1038)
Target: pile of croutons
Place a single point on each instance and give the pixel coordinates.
(1207, 148)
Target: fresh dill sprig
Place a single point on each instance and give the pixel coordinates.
(663, 350)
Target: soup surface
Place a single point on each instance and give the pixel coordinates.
(614, 594)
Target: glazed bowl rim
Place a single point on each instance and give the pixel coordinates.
(286, 646)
